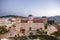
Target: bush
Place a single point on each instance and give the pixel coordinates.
(3, 30)
(20, 38)
(23, 38)
(43, 37)
(39, 31)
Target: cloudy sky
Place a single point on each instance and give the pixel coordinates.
(25, 7)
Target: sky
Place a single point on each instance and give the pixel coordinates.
(25, 7)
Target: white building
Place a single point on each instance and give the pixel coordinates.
(51, 29)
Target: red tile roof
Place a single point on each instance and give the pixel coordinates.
(38, 21)
(34, 21)
(24, 21)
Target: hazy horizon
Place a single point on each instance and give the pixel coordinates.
(37, 8)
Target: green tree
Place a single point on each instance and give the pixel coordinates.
(39, 31)
(45, 26)
(23, 38)
(3, 30)
(31, 34)
(23, 31)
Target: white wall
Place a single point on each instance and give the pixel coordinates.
(51, 29)
(34, 26)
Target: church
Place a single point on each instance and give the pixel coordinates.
(30, 22)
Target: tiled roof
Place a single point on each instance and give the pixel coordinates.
(24, 21)
(38, 21)
(34, 21)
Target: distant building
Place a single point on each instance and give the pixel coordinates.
(4, 21)
(50, 21)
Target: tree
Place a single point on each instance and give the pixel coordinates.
(31, 34)
(43, 37)
(45, 26)
(39, 31)
(3, 30)
(23, 38)
(23, 31)
(14, 26)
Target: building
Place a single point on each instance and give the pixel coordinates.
(34, 24)
(29, 22)
(44, 19)
(51, 29)
(50, 22)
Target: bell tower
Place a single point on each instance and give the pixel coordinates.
(30, 17)
(44, 18)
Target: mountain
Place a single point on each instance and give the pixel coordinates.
(55, 18)
(11, 16)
